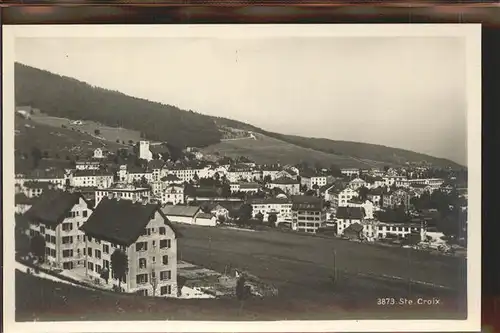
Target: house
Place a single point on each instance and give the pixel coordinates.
(99, 153)
(399, 230)
(282, 208)
(245, 187)
(308, 214)
(287, 173)
(270, 172)
(394, 180)
(144, 235)
(311, 180)
(181, 214)
(349, 172)
(239, 173)
(219, 211)
(138, 174)
(173, 194)
(144, 153)
(124, 192)
(57, 177)
(375, 196)
(88, 165)
(156, 167)
(354, 231)
(34, 189)
(172, 179)
(57, 216)
(396, 198)
(357, 183)
(341, 196)
(347, 216)
(91, 178)
(367, 206)
(289, 186)
(206, 219)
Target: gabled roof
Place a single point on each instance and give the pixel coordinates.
(121, 221)
(178, 210)
(22, 199)
(284, 181)
(52, 207)
(304, 202)
(155, 164)
(355, 213)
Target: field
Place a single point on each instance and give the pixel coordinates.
(107, 133)
(299, 266)
(269, 150)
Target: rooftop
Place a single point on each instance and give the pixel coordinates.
(356, 213)
(52, 207)
(121, 221)
(178, 210)
(284, 181)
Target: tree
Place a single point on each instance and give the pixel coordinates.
(245, 212)
(105, 274)
(130, 142)
(315, 187)
(259, 216)
(226, 190)
(37, 247)
(36, 155)
(240, 288)
(363, 193)
(97, 132)
(119, 265)
(272, 219)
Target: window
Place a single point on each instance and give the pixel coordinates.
(165, 290)
(67, 240)
(67, 226)
(105, 264)
(98, 254)
(142, 246)
(105, 248)
(84, 252)
(53, 253)
(154, 259)
(165, 275)
(68, 265)
(85, 213)
(67, 253)
(89, 238)
(90, 266)
(141, 278)
(142, 263)
(47, 238)
(42, 229)
(89, 251)
(165, 260)
(165, 243)
(98, 269)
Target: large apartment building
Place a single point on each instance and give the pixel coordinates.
(144, 236)
(120, 191)
(57, 216)
(307, 213)
(282, 208)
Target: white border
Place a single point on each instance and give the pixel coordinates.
(472, 34)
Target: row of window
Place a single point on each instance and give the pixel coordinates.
(145, 278)
(143, 263)
(143, 246)
(77, 213)
(314, 225)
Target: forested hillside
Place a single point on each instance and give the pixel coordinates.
(61, 96)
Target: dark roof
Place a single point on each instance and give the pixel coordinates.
(43, 185)
(155, 164)
(51, 207)
(284, 181)
(204, 216)
(46, 174)
(249, 185)
(88, 173)
(356, 213)
(355, 227)
(22, 199)
(121, 221)
(304, 202)
(269, 201)
(178, 210)
(171, 178)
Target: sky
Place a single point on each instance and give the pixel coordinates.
(404, 92)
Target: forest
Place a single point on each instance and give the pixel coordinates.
(65, 97)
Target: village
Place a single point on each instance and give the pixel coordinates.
(113, 220)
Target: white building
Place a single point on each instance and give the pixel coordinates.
(245, 187)
(91, 178)
(173, 194)
(289, 186)
(57, 216)
(357, 183)
(311, 180)
(282, 208)
(98, 153)
(122, 192)
(149, 242)
(350, 172)
(340, 197)
(87, 165)
(346, 216)
(144, 151)
(181, 214)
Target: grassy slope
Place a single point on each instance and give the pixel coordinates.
(363, 151)
(54, 141)
(269, 150)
